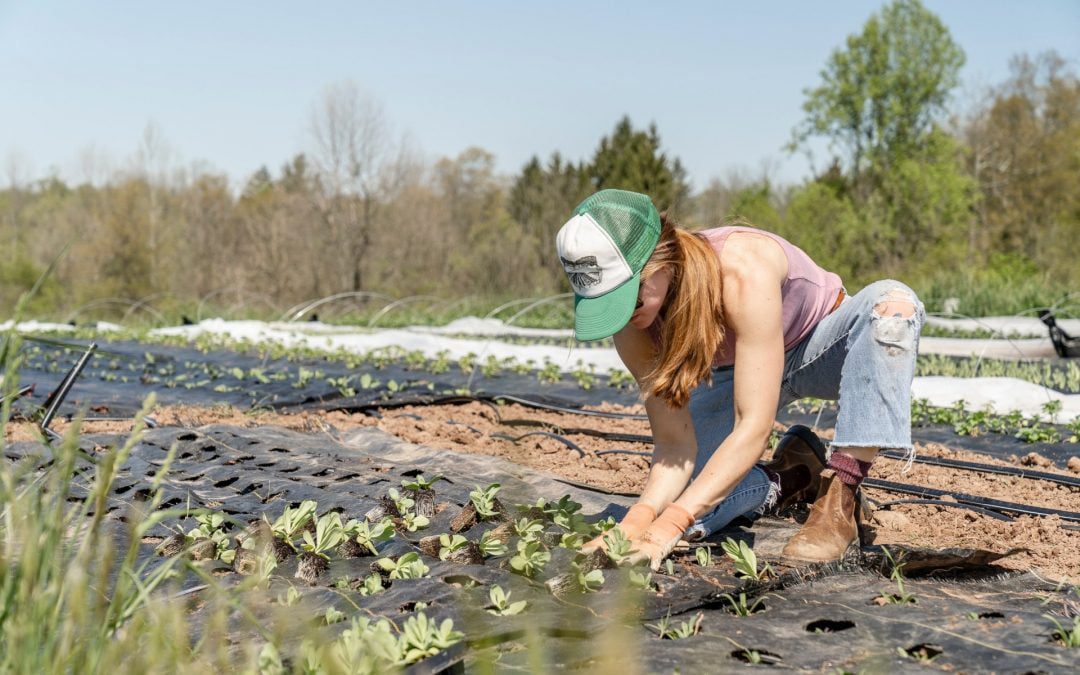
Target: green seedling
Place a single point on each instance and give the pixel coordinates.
(602, 526)
(372, 584)
(669, 567)
(420, 483)
(367, 535)
(490, 546)
(572, 540)
(407, 566)
(403, 503)
(746, 564)
(290, 598)
(618, 546)
(669, 631)
(421, 638)
(550, 373)
(587, 582)
(901, 597)
(289, 523)
(329, 533)
(703, 554)
(1068, 637)
(449, 543)
(642, 581)
(483, 500)
(413, 522)
(740, 606)
(303, 378)
(566, 514)
(501, 605)
(333, 616)
(530, 558)
(528, 529)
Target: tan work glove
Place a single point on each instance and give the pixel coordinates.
(659, 539)
(636, 520)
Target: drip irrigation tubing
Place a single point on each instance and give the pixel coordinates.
(996, 515)
(565, 441)
(987, 468)
(984, 502)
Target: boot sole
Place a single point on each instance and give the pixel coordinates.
(803, 562)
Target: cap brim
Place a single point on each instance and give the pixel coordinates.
(603, 316)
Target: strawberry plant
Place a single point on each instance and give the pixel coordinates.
(501, 605)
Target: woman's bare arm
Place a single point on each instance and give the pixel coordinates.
(675, 447)
(754, 268)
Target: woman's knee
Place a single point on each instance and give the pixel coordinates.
(896, 317)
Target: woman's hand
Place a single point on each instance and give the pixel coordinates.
(660, 538)
(633, 524)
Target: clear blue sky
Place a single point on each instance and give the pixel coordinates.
(231, 84)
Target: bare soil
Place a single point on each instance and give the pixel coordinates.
(1050, 549)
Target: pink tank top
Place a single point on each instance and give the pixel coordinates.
(808, 293)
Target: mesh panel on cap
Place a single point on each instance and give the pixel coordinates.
(630, 218)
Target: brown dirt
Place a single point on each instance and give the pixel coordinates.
(1051, 550)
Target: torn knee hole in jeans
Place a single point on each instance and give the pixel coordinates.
(894, 322)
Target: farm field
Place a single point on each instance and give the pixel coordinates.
(359, 501)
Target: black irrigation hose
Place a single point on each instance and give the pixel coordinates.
(987, 468)
(985, 502)
(620, 451)
(956, 505)
(565, 441)
(558, 408)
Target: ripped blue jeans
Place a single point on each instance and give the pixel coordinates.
(855, 356)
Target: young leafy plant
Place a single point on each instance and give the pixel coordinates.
(528, 529)
(491, 546)
(329, 533)
(901, 597)
(501, 605)
(618, 546)
(367, 535)
(669, 631)
(420, 483)
(745, 559)
(740, 606)
(587, 582)
(703, 554)
(530, 558)
(421, 638)
(407, 566)
(289, 524)
(483, 500)
(450, 543)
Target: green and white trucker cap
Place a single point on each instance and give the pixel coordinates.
(603, 247)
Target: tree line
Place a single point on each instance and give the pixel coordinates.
(978, 204)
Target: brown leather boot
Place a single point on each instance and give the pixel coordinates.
(831, 527)
(799, 461)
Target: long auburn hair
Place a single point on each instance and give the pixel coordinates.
(693, 325)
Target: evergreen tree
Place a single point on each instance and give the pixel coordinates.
(632, 160)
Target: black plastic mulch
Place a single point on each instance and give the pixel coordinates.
(248, 472)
